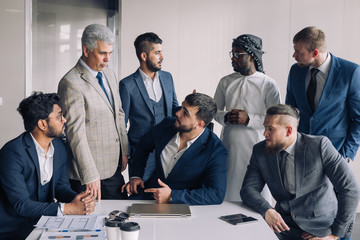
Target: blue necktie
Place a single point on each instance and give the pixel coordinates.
(99, 77)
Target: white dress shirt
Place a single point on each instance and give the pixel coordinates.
(321, 77)
(46, 162)
(170, 154)
(153, 87)
(105, 82)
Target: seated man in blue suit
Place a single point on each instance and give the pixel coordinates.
(326, 90)
(148, 95)
(315, 190)
(33, 171)
(190, 159)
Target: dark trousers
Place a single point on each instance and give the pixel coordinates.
(110, 187)
(295, 231)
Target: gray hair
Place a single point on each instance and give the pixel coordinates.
(94, 32)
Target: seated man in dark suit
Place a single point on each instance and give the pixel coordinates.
(190, 159)
(33, 171)
(315, 190)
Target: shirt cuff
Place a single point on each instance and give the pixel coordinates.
(60, 211)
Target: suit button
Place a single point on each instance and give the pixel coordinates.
(117, 140)
(293, 216)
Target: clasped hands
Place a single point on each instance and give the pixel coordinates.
(82, 204)
(161, 194)
(276, 223)
(237, 116)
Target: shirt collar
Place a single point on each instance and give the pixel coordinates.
(190, 142)
(291, 149)
(325, 66)
(40, 150)
(92, 71)
(146, 77)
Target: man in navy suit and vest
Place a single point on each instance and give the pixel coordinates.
(190, 158)
(148, 95)
(326, 90)
(33, 171)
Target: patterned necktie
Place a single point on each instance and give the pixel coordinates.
(282, 163)
(311, 91)
(99, 77)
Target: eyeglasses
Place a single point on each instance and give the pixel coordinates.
(236, 54)
(59, 117)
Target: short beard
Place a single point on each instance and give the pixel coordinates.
(152, 67)
(183, 129)
(243, 71)
(275, 149)
(53, 134)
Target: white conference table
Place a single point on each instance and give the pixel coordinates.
(204, 223)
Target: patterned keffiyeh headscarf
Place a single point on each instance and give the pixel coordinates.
(253, 46)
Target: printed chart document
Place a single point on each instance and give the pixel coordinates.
(74, 235)
(71, 223)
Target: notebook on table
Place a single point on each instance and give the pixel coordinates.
(159, 210)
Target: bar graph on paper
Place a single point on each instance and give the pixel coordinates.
(74, 222)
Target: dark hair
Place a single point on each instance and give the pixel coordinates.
(312, 37)
(285, 110)
(38, 106)
(143, 43)
(206, 105)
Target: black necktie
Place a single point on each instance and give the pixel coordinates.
(282, 164)
(311, 91)
(99, 77)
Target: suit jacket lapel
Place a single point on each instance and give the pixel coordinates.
(30, 148)
(332, 77)
(168, 135)
(85, 74)
(274, 163)
(140, 83)
(191, 153)
(299, 163)
(302, 90)
(166, 92)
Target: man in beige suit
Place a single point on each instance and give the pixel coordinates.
(95, 129)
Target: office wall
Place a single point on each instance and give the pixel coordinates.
(197, 36)
(12, 67)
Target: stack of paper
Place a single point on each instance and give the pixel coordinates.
(75, 227)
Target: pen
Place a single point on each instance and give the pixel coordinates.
(57, 230)
(84, 230)
(55, 237)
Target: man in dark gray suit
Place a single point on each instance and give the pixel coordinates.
(315, 190)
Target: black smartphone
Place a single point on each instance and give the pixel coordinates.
(239, 218)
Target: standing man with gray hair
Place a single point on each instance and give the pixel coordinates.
(95, 129)
(242, 98)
